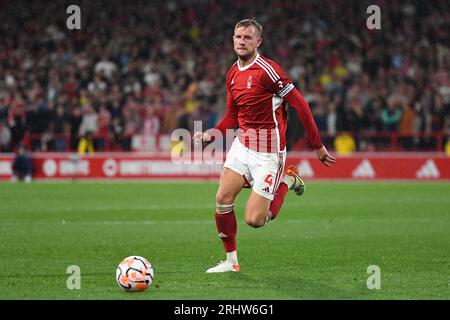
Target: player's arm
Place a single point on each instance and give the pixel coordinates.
(229, 121)
(278, 82)
(298, 102)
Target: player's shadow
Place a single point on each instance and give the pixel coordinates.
(287, 286)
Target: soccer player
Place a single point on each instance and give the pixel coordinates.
(257, 92)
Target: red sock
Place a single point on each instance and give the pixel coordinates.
(227, 228)
(277, 202)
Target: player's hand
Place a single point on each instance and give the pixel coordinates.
(325, 157)
(201, 137)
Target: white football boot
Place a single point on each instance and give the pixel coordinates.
(224, 266)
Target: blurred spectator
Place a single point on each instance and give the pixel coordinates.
(105, 67)
(116, 129)
(16, 119)
(131, 124)
(5, 137)
(88, 129)
(103, 134)
(21, 166)
(86, 144)
(60, 127)
(407, 120)
(75, 122)
(151, 122)
(175, 55)
(344, 143)
(406, 127)
(332, 117)
(438, 114)
(390, 116)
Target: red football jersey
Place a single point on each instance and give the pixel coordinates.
(255, 102)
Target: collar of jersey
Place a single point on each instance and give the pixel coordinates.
(247, 66)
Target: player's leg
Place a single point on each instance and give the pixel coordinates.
(269, 189)
(267, 171)
(231, 183)
(256, 210)
(292, 181)
(260, 208)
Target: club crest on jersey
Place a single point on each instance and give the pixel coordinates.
(249, 82)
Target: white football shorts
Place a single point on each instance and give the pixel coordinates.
(262, 171)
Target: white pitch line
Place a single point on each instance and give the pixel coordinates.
(115, 208)
(105, 223)
(317, 221)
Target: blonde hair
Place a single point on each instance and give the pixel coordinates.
(250, 22)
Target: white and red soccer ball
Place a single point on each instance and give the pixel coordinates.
(134, 274)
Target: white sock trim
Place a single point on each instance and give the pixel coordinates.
(224, 208)
(290, 181)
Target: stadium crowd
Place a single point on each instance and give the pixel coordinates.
(142, 67)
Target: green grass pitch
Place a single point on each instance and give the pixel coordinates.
(319, 247)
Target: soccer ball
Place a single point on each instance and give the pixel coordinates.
(134, 273)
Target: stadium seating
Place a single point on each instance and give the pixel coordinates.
(147, 69)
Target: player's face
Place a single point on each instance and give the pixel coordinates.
(246, 41)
